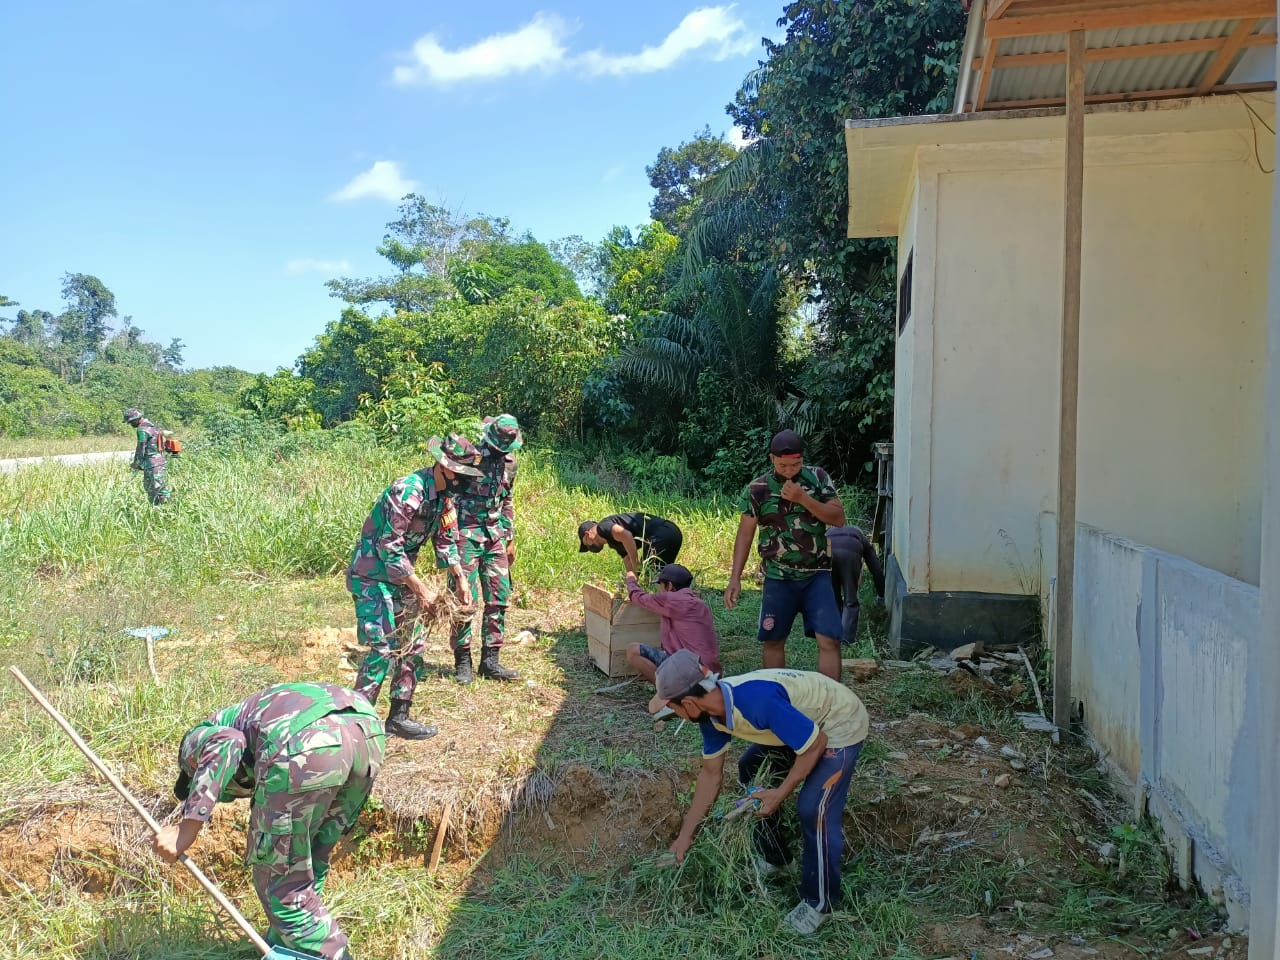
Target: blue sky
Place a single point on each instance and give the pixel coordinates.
(215, 162)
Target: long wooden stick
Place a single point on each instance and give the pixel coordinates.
(141, 811)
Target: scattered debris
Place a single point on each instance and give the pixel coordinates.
(1017, 765)
(1041, 954)
(1002, 781)
(982, 742)
(964, 731)
(1107, 852)
(919, 788)
(1199, 951)
(898, 755)
(1010, 752)
(969, 651)
(151, 635)
(615, 686)
(861, 668)
(1037, 723)
(523, 637)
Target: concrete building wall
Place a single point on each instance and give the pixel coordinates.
(1161, 659)
(1172, 325)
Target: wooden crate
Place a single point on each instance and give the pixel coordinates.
(612, 626)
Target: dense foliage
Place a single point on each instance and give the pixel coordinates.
(739, 308)
(68, 373)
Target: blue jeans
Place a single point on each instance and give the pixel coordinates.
(820, 805)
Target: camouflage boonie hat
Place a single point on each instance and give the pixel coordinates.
(132, 414)
(456, 453)
(502, 433)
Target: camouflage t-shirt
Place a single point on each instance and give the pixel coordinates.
(484, 504)
(408, 513)
(236, 748)
(792, 542)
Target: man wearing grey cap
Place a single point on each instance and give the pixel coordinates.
(806, 720)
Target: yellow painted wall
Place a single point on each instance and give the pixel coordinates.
(1172, 339)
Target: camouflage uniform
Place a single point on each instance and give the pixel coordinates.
(308, 754)
(408, 514)
(150, 459)
(792, 542)
(486, 526)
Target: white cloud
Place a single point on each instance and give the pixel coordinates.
(738, 138)
(715, 30)
(311, 265)
(383, 180)
(539, 44)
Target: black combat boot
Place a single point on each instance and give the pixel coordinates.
(491, 668)
(399, 724)
(462, 665)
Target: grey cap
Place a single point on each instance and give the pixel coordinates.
(678, 674)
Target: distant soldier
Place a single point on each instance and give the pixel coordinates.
(149, 457)
(791, 506)
(849, 548)
(388, 593)
(307, 753)
(487, 545)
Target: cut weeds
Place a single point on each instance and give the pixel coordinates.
(561, 798)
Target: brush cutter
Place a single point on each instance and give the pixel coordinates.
(267, 950)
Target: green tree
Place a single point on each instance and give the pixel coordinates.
(680, 176)
(82, 328)
(172, 354)
(637, 272)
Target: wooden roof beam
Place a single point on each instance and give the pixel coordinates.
(1218, 68)
(1133, 51)
(1166, 94)
(1137, 15)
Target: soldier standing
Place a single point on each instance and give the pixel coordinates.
(389, 595)
(149, 457)
(486, 543)
(791, 506)
(308, 754)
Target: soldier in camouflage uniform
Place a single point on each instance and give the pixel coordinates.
(791, 507)
(149, 457)
(486, 541)
(307, 753)
(388, 593)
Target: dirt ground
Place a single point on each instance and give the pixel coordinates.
(925, 787)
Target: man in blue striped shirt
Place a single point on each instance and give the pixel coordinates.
(808, 728)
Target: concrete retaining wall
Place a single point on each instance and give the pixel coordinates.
(1160, 664)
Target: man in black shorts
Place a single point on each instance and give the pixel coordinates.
(635, 536)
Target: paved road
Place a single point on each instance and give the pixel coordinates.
(70, 459)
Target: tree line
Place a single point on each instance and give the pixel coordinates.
(739, 307)
(72, 372)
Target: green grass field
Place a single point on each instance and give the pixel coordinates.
(248, 559)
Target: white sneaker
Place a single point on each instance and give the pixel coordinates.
(805, 919)
(662, 714)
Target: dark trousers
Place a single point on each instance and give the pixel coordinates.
(846, 575)
(664, 542)
(820, 806)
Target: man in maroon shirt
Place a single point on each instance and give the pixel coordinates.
(686, 622)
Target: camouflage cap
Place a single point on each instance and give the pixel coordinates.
(132, 414)
(189, 757)
(455, 452)
(502, 433)
(189, 752)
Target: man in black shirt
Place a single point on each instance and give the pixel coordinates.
(849, 547)
(635, 537)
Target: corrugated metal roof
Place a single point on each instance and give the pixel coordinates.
(1134, 75)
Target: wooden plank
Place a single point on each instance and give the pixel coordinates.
(438, 846)
(988, 69)
(998, 9)
(1069, 384)
(630, 613)
(597, 626)
(1112, 17)
(1218, 68)
(597, 599)
(1132, 51)
(1168, 94)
